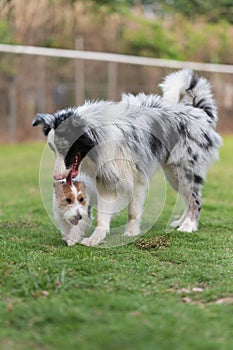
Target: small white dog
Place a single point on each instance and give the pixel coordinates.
(72, 210)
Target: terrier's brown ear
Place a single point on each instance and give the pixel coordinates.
(57, 186)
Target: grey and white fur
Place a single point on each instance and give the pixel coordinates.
(121, 145)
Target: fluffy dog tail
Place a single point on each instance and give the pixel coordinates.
(185, 87)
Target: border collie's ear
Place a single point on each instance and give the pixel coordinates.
(46, 120)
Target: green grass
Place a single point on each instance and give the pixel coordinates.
(137, 296)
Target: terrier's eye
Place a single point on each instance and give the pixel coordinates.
(81, 199)
(68, 200)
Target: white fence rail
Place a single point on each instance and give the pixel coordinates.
(116, 58)
(112, 80)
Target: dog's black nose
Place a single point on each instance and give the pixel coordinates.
(78, 217)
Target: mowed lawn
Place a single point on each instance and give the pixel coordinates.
(172, 291)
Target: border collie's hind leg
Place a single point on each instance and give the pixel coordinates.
(193, 202)
(189, 186)
(135, 208)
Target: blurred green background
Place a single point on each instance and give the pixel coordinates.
(172, 29)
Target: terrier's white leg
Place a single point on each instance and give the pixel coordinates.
(77, 232)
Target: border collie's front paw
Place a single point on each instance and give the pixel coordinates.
(89, 242)
(132, 229)
(175, 223)
(96, 238)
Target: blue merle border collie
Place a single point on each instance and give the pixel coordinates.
(120, 145)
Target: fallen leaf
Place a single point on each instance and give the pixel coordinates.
(187, 300)
(183, 290)
(9, 306)
(135, 313)
(226, 300)
(197, 289)
(153, 243)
